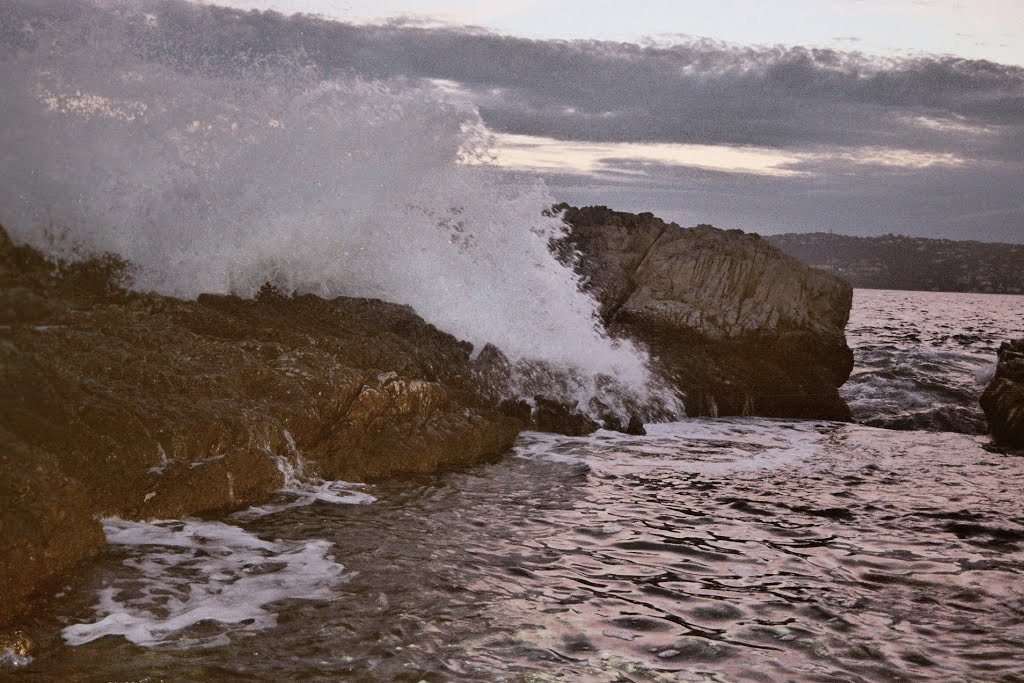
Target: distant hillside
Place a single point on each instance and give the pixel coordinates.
(916, 263)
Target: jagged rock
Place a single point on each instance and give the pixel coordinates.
(561, 418)
(498, 377)
(1003, 398)
(613, 424)
(144, 406)
(635, 426)
(516, 408)
(735, 324)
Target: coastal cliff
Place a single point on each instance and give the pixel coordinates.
(1003, 398)
(737, 326)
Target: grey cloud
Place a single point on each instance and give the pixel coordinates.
(699, 91)
(955, 203)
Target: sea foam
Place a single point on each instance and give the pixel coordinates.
(719, 446)
(179, 574)
(301, 489)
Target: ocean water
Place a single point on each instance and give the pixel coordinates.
(722, 550)
(921, 359)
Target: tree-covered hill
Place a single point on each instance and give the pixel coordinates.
(914, 263)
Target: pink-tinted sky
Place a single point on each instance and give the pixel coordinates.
(980, 29)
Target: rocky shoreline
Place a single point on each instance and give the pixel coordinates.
(145, 406)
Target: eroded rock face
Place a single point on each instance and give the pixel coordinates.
(736, 325)
(1003, 399)
(143, 406)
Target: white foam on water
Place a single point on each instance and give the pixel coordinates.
(183, 573)
(985, 372)
(9, 659)
(301, 490)
(712, 446)
(217, 164)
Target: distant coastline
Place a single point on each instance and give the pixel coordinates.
(911, 263)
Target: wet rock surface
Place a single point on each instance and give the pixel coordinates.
(1003, 399)
(144, 406)
(736, 325)
(553, 416)
(15, 649)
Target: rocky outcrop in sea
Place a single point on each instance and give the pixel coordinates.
(736, 325)
(1003, 398)
(142, 406)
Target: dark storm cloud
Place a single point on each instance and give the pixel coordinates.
(699, 92)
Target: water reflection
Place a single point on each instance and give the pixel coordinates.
(722, 550)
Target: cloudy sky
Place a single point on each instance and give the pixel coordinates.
(856, 116)
(984, 29)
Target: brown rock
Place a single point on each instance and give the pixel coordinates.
(46, 523)
(735, 324)
(1003, 398)
(635, 426)
(561, 418)
(15, 644)
(144, 406)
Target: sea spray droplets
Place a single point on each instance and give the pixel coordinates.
(181, 573)
(217, 172)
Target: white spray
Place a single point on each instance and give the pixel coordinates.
(218, 172)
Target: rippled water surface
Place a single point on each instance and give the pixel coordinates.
(730, 550)
(922, 359)
(743, 549)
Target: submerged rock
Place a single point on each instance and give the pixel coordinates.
(145, 406)
(1003, 399)
(736, 325)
